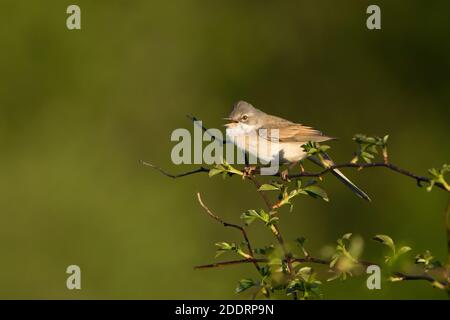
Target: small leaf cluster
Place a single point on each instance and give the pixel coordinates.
(396, 252)
(285, 195)
(345, 258)
(231, 247)
(251, 215)
(225, 169)
(437, 176)
(275, 279)
(314, 148)
(305, 284)
(368, 147)
(427, 260)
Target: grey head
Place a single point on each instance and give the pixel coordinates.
(244, 112)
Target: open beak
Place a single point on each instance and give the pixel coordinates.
(231, 122)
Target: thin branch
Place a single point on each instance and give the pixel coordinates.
(422, 276)
(231, 225)
(230, 262)
(174, 176)
(196, 122)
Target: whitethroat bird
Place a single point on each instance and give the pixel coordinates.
(245, 128)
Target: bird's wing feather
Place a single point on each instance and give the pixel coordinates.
(293, 132)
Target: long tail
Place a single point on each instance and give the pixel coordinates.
(338, 174)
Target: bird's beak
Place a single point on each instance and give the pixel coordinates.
(231, 122)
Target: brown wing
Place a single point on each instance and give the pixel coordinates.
(294, 132)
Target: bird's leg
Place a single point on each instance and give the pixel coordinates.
(285, 173)
(248, 169)
(302, 169)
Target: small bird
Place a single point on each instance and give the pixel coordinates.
(245, 129)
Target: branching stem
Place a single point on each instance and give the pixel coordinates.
(231, 225)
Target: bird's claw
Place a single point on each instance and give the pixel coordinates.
(284, 175)
(249, 171)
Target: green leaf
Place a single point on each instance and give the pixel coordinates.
(225, 246)
(403, 250)
(347, 236)
(264, 216)
(267, 250)
(301, 243)
(245, 284)
(249, 216)
(304, 273)
(316, 192)
(268, 187)
(214, 171)
(229, 168)
(437, 176)
(395, 278)
(272, 221)
(386, 240)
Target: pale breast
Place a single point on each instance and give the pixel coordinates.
(291, 152)
(250, 142)
(246, 138)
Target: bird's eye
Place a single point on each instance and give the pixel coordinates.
(244, 117)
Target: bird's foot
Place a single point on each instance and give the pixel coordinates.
(302, 169)
(249, 171)
(284, 175)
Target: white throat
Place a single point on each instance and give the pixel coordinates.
(240, 129)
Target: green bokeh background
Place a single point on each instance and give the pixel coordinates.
(79, 109)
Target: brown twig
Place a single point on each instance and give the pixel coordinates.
(195, 121)
(231, 225)
(230, 262)
(174, 176)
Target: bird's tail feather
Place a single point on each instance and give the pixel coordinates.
(338, 174)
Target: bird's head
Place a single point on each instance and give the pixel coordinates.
(244, 113)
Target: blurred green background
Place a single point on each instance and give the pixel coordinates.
(79, 109)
